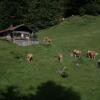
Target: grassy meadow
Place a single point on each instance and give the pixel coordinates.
(73, 32)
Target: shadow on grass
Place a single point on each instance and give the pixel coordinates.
(46, 91)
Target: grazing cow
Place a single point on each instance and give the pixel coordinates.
(91, 54)
(76, 53)
(47, 40)
(29, 57)
(60, 58)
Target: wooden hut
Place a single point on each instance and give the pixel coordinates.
(20, 34)
(17, 32)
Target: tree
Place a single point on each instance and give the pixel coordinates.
(44, 13)
(12, 12)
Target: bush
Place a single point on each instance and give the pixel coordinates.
(92, 9)
(82, 11)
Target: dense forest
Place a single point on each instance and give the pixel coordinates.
(40, 14)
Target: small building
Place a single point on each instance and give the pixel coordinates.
(20, 34)
(19, 31)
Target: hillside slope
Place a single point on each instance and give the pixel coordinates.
(74, 32)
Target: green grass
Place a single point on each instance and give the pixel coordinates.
(74, 32)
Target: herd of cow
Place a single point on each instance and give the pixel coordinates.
(90, 53)
(76, 53)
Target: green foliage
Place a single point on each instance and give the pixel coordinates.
(40, 14)
(35, 13)
(12, 12)
(92, 9)
(82, 7)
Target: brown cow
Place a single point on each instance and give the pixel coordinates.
(76, 53)
(60, 58)
(29, 57)
(47, 40)
(91, 54)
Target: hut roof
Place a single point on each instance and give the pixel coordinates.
(21, 27)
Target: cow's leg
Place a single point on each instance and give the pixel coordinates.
(31, 59)
(74, 55)
(93, 57)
